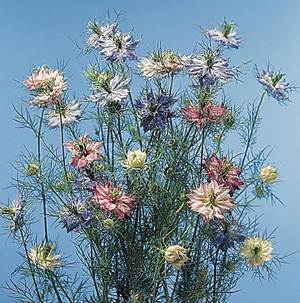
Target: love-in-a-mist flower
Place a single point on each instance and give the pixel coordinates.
(113, 199)
(256, 251)
(89, 182)
(210, 201)
(154, 110)
(136, 160)
(176, 256)
(46, 85)
(109, 88)
(77, 215)
(118, 47)
(268, 174)
(84, 152)
(226, 233)
(209, 67)
(63, 114)
(224, 172)
(226, 37)
(207, 114)
(275, 85)
(42, 256)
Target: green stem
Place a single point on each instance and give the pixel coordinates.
(62, 146)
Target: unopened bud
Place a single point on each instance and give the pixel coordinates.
(32, 169)
(268, 174)
(175, 255)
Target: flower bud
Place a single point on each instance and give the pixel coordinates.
(259, 190)
(108, 223)
(175, 255)
(135, 160)
(229, 121)
(268, 174)
(230, 266)
(32, 169)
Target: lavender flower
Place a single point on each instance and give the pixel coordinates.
(77, 216)
(154, 111)
(109, 88)
(65, 114)
(209, 68)
(89, 184)
(118, 47)
(275, 85)
(226, 233)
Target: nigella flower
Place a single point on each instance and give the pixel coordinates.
(42, 256)
(118, 47)
(227, 36)
(113, 198)
(210, 201)
(64, 114)
(110, 88)
(154, 111)
(207, 114)
(224, 172)
(226, 233)
(84, 152)
(209, 67)
(256, 251)
(85, 182)
(176, 256)
(275, 85)
(78, 215)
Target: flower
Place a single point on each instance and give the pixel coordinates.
(64, 114)
(154, 111)
(209, 67)
(256, 251)
(227, 36)
(112, 198)
(77, 216)
(210, 201)
(110, 88)
(118, 47)
(226, 233)
(47, 86)
(32, 169)
(224, 172)
(275, 85)
(268, 174)
(175, 255)
(135, 160)
(42, 256)
(85, 182)
(208, 114)
(84, 152)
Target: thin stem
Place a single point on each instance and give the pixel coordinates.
(215, 277)
(62, 146)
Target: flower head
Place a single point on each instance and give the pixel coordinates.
(32, 169)
(154, 111)
(113, 198)
(256, 251)
(227, 36)
(85, 182)
(64, 114)
(275, 85)
(175, 255)
(84, 152)
(224, 172)
(110, 88)
(42, 256)
(135, 160)
(77, 216)
(268, 174)
(226, 233)
(209, 67)
(210, 201)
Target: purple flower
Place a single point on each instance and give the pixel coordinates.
(209, 67)
(89, 184)
(226, 233)
(154, 111)
(275, 85)
(77, 215)
(118, 47)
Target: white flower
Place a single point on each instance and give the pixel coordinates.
(135, 160)
(268, 174)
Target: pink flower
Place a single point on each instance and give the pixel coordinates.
(224, 172)
(210, 201)
(112, 198)
(208, 114)
(84, 152)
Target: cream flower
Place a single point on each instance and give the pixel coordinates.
(268, 174)
(135, 160)
(256, 251)
(175, 255)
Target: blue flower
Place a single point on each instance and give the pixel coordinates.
(154, 111)
(226, 233)
(77, 215)
(87, 183)
(209, 67)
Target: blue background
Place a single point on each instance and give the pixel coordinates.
(34, 33)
